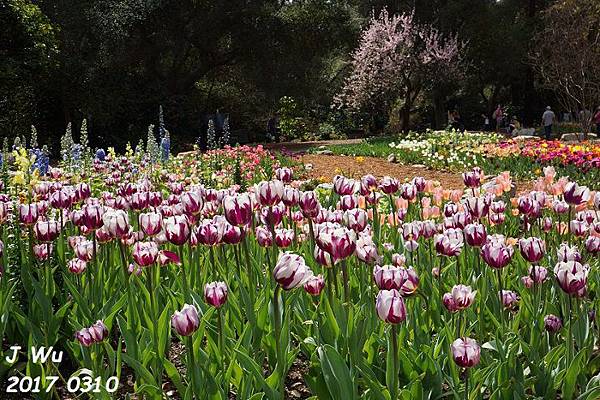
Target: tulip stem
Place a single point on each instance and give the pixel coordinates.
(570, 333)
(466, 384)
(221, 338)
(394, 388)
(499, 272)
(184, 278)
(252, 287)
(330, 278)
(278, 345)
(346, 283)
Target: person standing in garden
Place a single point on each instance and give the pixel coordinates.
(596, 120)
(548, 120)
(498, 115)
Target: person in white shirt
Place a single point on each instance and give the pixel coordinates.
(548, 120)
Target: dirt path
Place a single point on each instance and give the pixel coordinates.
(328, 166)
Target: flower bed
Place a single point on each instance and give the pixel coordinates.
(200, 284)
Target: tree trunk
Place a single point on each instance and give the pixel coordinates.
(405, 117)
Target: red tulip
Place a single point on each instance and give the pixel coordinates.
(284, 237)
(309, 204)
(238, 209)
(150, 223)
(177, 229)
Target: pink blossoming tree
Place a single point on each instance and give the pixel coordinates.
(396, 60)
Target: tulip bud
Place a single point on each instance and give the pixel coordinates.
(560, 207)
(465, 352)
(538, 274)
(449, 243)
(84, 337)
(390, 306)
(186, 321)
(233, 234)
(85, 250)
(419, 183)
(263, 236)
(238, 209)
(389, 277)
(291, 271)
(314, 285)
(92, 216)
(192, 203)
(477, 207)
(116, 222)
(408, 191)
(527, 281)
(150, 223)
(398, 259)
(215, 294)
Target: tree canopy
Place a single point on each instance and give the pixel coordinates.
(114, 62)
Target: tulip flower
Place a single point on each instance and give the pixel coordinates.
(509, 299)
(538, 274)
(168, 257)
(284, 237)
(497, 254)
(390, 306)
(323, 258)
(398, 259)
(209, 232)
(532, 249)
(408, 191)
(192, 203)
(215, 294)
(291, 196)
(475, 234)
(263, 236)
(389, 185)
(177, 229)
(465, 352)
(233, 234)
(389, 277)
(47, 231)
(284, 174)
(98, 331)
(459, 298)
(344, 186)
(269, 193)
(578, 228)
(592, 244)
(552, 323)
(568, 253)
(84, 250)
(314, 285)
(571, 276)
(238, 209)
(186, 321)
(419, 183)
(28, 213)
(411, 230)
(84, 337)
(497, 219)
(356, 219)
(116, 222)
(150, 223)
(340, 242)
(527, 281)
(291, 271)
(450, 209)
(348, 202)
(42, 251)
(575, 194)
(309, 204)
(144, 253)
(478, 207)
(77, 266)
(449, 243)
(61, 199)
(498, 207)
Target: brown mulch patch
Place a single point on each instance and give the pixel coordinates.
(328, 166)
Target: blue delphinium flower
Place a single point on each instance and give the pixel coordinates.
(165, 147)
(100, 155)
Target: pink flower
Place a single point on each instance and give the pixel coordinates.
(291, 271)
(465, 352)
(390, 306)
(314, 285)
(186, 321)
(215, 294)
(145, 253)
